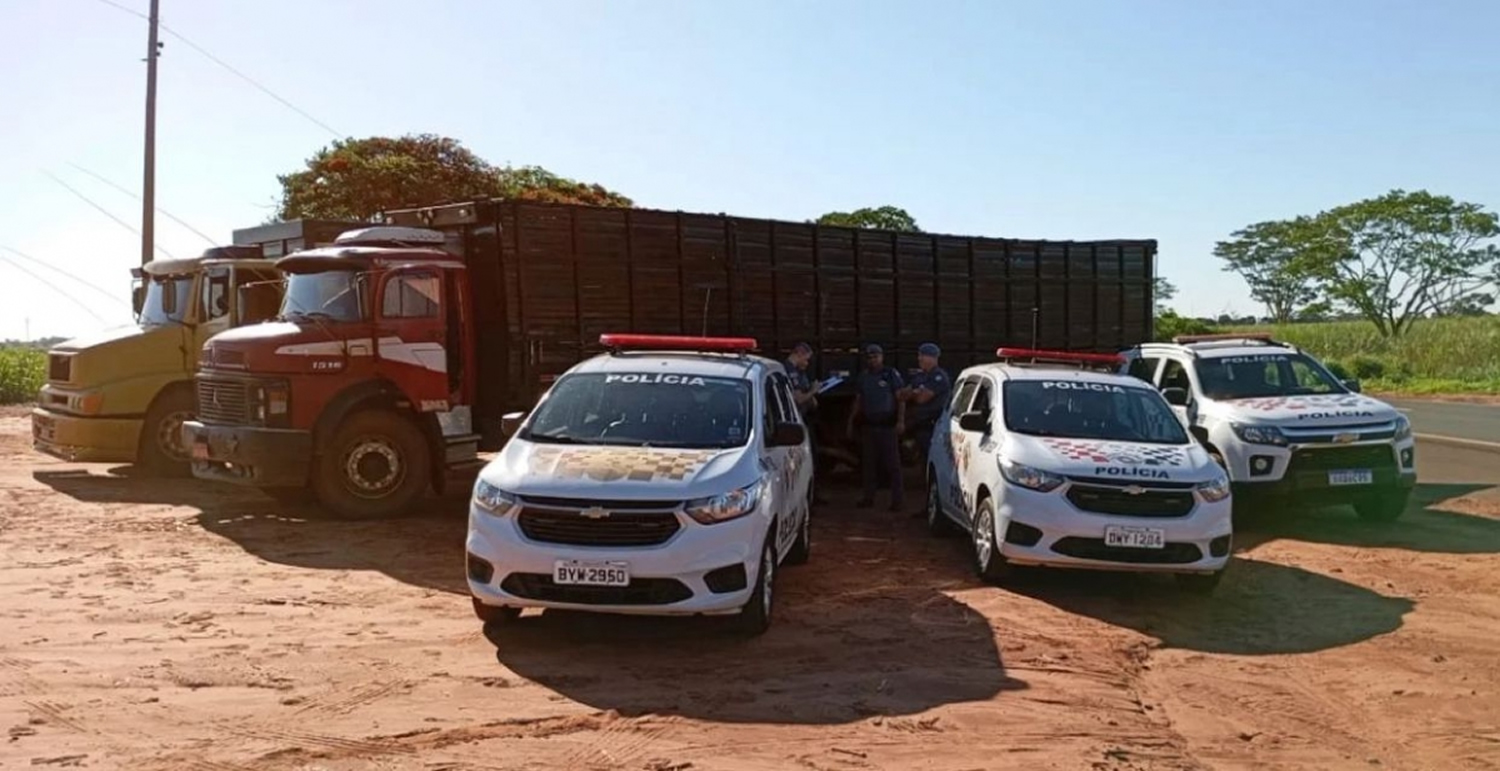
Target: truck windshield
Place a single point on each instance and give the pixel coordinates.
(1082, 410)
(1270, 374)
(164, 293)
(335, 295)
(644, 410)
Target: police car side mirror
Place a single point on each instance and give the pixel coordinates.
(1352, 385)
(788, 435)
(1177, 397)
(977, 422)
(511, 422)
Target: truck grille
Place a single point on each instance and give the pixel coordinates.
(1094, 549)
(618, 528)
(641, 591)
(1115, 500)
(59, 367)
(223, 401)
(1370, 456)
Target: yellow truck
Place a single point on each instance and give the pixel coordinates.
(121, 395)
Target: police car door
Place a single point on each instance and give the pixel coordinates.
(1174, 374)
(782, 463)
(946, 437)
(976, 445)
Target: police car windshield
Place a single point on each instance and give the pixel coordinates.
(1266, 374)
(644, 410)
(1083, 410)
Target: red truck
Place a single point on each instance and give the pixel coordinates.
(402, 347)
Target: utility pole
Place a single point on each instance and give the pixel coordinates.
(148, 188)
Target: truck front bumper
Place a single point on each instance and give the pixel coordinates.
(79, 439)
(248, 455)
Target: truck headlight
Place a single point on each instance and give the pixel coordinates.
(1403, 428)
(1260, 434)
(87, 403)
(270, 402)
(493, 500)
(1029, 477)
(1214, 490)
(725, 506)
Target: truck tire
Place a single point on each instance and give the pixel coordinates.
(161, 451)
(1387, 508)
(376, 465)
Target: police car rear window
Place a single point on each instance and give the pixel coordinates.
(1090, 410)
(644, 409)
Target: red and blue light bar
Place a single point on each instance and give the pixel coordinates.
(630, 342)
(1070, 357)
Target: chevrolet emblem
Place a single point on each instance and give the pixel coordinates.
(594, 512)
(1344, 438)
(1133, 490)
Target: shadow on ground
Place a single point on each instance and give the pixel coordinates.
(424, 550)
(1261, 608)
(1428, 524)
(864, 629)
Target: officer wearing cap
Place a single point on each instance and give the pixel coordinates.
(805, 394)
(926, 394)
(878, 408)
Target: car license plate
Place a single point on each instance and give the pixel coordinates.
(1135, 537)
(200, 450)
(1360, 476)
(579, 573)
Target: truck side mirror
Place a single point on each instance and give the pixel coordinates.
(974, 421)
(1177, 397)
(788, 434)
(511, 422)
(1352, 385)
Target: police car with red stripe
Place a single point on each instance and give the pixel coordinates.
(1053, 458)
(669, 476)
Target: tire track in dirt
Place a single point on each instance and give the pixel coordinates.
(622, 741)
(343, 701)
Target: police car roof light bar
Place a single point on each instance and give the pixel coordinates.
(1070, 357)
(1262, 337)
(624, 342)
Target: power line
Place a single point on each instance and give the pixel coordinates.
(102, 210)
(163, 212)
(101, 290)
(55, 288)
(216, 60)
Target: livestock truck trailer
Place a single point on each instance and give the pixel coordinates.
(402, 347)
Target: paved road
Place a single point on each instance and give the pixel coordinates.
(1478, 422)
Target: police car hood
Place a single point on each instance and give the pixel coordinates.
(1113, 460)
(619, 473)
(1315, 411)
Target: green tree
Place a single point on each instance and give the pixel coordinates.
(1269, 256)
(1162, 291)
(356, 178)
(1401, 256)
(882, 218)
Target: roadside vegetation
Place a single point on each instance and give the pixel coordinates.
(22, 372)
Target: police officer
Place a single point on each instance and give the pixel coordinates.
(882, 413)
(805, 394)
(925, 395)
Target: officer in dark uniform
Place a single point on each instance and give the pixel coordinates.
(878, 408)
(805, 394)
(925, 395)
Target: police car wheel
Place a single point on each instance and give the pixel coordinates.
(802, 547)
(938, 523)
(755, 618)
(1199, 583)
(988, 563)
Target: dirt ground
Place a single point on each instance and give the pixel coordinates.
(180, 625)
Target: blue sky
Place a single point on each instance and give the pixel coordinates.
(1179, 121)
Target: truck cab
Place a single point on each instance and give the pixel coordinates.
(360, 392)
(120, 396)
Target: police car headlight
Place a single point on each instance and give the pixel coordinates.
(1029, 477)
(1260, 434)
(722, 508)
(1403, 428)
(494, 500)
(1214, 490)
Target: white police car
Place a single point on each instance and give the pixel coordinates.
(1045, 462)
(670, 476)
(1285, 427)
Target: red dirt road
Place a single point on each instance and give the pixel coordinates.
(179, 625)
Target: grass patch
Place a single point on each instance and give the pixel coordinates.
(22, 372)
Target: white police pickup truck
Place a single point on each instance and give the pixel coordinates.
(1286, 429)
(1046, 462)
(670, 476)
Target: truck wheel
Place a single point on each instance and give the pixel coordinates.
(161, 451)
(1382, 509)
(376, 465)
